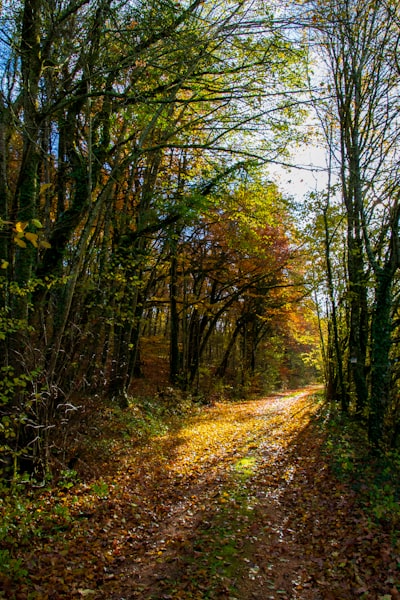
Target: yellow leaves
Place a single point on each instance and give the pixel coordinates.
(140, 63)
(21, 226)
(32, 238)
(21, 236)
(19, 230)
(44, 187)
(20, 242)
(224, 498)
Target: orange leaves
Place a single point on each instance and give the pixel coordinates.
(237, 502)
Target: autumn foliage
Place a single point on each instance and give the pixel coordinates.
(238, 500)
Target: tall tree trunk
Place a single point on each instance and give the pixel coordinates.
(175, 358)
(381, 337)
(353, 200)
(26, 194)
(221, 370)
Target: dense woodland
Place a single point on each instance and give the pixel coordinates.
(141, 220)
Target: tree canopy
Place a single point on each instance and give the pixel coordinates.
(139, 214)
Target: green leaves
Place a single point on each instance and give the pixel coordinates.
(36, 223)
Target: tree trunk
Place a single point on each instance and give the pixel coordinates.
(175, 354)
(381, 332)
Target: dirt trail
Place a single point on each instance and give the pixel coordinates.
(238, 505)
(229, 466)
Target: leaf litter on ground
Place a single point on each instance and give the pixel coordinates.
(238, 503)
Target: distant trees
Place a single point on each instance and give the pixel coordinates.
(234, 277)
(120, 124)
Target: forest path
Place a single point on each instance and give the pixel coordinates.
(237, 505)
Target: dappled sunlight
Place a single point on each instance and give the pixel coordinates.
(237, 503)
(229, 429)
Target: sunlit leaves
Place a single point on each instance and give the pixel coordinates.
(20, 242)
(22, 235)
(36, 223)
(238, 499)
(20, 227)
(33, 238)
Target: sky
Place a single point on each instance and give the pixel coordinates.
(309, 176)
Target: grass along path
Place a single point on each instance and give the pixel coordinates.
(238, 504)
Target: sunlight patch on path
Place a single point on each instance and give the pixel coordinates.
(209, 478)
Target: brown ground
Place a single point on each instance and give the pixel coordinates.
(240, 504)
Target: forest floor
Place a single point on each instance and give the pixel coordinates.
(238, 502)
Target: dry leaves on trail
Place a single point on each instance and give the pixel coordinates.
(237, 504)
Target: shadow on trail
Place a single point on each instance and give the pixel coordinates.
(237, 505)
(203, 543)
(313, 524)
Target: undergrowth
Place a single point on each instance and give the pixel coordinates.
(375, 479)
(29, 510)
(190, 505)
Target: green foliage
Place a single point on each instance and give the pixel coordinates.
(62, 514)
(11, 421)
(152, 416)
(246, 466)
(16, 409)
(68, 478)
(375, 478)
(100, 489)
(19, 516)
(10, 384)
(143, 419)
(11, 567)
(172, 96)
